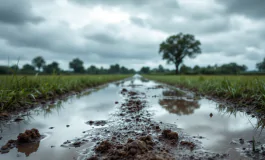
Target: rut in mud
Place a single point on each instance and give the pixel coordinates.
(137, 119)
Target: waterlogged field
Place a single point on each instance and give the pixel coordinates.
(135, 118)
(244, 90)
(19, 91)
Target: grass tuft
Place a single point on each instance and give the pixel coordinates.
(18, 91)
(243, 90)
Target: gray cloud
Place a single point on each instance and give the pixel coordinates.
(249, 8)
(206, 26)
(132, 42)
(67, 43)
(103, 38)
(157, 8)
(114, 2)
(17, 12)
(138, 21)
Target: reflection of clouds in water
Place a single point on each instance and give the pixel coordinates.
(140, 81)
(104, 106)
(229, 135)
(225, 125)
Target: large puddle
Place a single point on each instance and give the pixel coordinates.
(215, 127)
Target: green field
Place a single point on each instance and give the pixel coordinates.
(242, 90)
(19, 91)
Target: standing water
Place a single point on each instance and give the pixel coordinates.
(215, 128)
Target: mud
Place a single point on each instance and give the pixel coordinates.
(29, 136)
(97, 123)
(132, 134)
(138, 119)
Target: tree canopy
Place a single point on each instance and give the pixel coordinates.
(77, 65)
(261, 66)
(145, 70)
(176, 47)
(28, 69)
(38, 62)
(52, 68)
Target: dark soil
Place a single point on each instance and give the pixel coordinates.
(97, 123)
(29, 136)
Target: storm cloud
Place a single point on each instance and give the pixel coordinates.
(18, 12)
(129, 32)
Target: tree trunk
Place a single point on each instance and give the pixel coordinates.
(177, 68)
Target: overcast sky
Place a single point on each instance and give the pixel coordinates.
(128, 32)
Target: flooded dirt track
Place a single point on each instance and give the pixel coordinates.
(136, 119)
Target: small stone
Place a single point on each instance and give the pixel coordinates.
(77, 144)
(157, 128)
(51, 127)
(18, 119)
(67, 126)
(241, 141)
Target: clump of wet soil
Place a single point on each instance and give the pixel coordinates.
(191, 145)
(97, 123)
(103, 147)
(138, 149)
(4, 116)
(170, 135)
(29, 136)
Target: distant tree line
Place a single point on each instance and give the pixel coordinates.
(38, 65)
(230, 68)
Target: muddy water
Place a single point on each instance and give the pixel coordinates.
(214, 128)
(75, 111)
(218, 128)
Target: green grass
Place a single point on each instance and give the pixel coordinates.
(242, 90)
(19, 91)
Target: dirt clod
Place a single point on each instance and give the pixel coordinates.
(28, 136)
(188, 144)
(97, 123)
(77, 144)
(93, 158)
(104, 147)
(168, 134)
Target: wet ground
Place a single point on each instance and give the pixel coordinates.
(133, 109)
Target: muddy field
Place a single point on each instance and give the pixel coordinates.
(133, 119)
